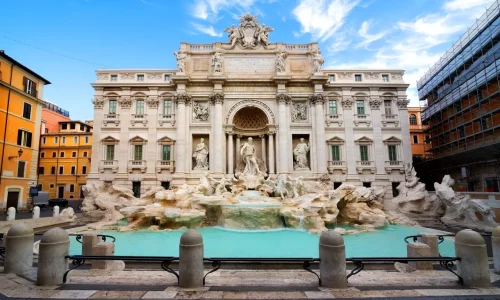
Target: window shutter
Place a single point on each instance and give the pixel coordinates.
(19, 137)
(33, 89)
(25, 84)
(28, 139)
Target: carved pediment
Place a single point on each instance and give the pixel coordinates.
(138, 139)
(392, 140)
(364, 140)
(166, 140)
(335, 140)
(110, 139)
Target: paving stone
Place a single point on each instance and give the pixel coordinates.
(21, 292)
(160, 295)
(212, 295)
(275, 295)
(188, 294)
(118, 295)
(74, 294)
(454, 292)
(319, 295)
(235, 295)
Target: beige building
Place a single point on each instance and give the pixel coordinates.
(163, 127)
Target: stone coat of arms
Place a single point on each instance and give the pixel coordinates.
(249, 34)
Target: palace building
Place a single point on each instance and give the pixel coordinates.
(169, 127)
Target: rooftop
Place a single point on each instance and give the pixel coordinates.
(15, 62)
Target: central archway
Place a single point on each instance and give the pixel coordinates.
(250, 118)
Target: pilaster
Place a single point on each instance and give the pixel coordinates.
(283, 151)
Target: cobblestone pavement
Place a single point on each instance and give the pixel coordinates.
(245, 284)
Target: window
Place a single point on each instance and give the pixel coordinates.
(24, 138)
(427, 139)
(114, 77)
(415, 139)
(332, 107)
(388, 107)
(167, 107)
(86, 140)
(357, 77)
(44, 140)
(137, 152)
(458, 106)
(385, 78)
(139, 107)
(413, 119)
(112, 106)
(52, 170)
(51, 186)
(72, 126)
(73, 170)
(484, 123)
(56, 140)
(82, 127)
(27, 111)
(360, 105)
(167, 78)
(63, 140)
(140, 77)
(42, 154)
(110, 152)
(75, 140)
(46, 130)
(84, 170)
(165, 153)
(73, 154)
(363, 151)
(392, 153)
(480, 95)
(61, 170)
(85, 154)
(461, 131)
(61, 154)
(71, 188)
(335, 152)
(54, 154)
(331, 78)
(29, 86)
(64, 126)
(40, 187)
(41, 170)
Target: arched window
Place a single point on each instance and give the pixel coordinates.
(413, 119)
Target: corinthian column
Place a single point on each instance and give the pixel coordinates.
(283, 100)
(270, 144)
(230, 153)
(180, 151)
(217, 100)
(318, 100)
(263, 146)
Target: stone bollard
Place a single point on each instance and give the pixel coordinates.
(332, 264)
(191, 260)
(103, 249)
(432, 241)
(36, 212)
(11, 214)
(55, 211)
(419, 250)
(89, 241)
(52, 261)
(473, 266)
(19, 249)
(495, 245)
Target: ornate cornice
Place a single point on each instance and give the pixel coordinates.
(375, 103)
(317, 99)
(153, 102)
(125, 102)
(347, 103)
(402, 103)
(98, 102)
(283, 98)
(217, 98)
(182, 98)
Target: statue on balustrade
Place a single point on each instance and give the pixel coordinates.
(318, 61)
(300, 154)
(201, 156)
(181, 61)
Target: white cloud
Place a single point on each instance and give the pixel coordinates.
(209, 9)
(206, 29)
(434, 25)
(465, 4)
(322, 18)
(369, 38)
(340, 43)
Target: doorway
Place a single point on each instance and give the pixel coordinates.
(60, 191)
(12, 199)
(165, 184)
(395, 191)
(136, 188)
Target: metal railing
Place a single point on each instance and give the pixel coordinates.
(111, 116)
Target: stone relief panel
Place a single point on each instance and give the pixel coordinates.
(201, 111)
(299, 111)
(103, 76)
(154, 75)
(127, 76)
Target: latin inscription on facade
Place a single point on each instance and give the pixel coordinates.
(249, 64)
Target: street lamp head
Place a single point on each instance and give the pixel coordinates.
(20, 152)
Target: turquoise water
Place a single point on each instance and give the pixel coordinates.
(269, 243)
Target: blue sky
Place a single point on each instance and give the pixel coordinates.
(67, 40)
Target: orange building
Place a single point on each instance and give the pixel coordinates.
(51, 116)
(21, 91)
(420, 141)
(65, 160)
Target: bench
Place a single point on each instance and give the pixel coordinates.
(79, 260)
(445, 262)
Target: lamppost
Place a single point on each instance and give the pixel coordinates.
(20, 152)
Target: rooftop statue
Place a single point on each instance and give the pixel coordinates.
(249, 34)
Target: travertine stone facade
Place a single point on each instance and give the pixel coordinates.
(148, 123)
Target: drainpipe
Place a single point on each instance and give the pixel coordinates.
(6, 122)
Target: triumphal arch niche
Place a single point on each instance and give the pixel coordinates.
(258, 95)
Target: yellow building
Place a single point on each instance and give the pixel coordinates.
(21, 91)
(65, 160)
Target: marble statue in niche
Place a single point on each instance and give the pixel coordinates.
(217, 62)
(181, 61)
(280, 62)
(248, 156)
(300, 155)
(299, 112)
(318, 61)
(201, 156)
(200, 111)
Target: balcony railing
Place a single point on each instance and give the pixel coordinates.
(111, 116)
(386, 119)
(165, 165)
(389, 117)
(364, 118)
(334, 118)
(108, 165)
(164, 118)
(391, 165)
(137, 165)
(111, 119)
(365, 165)
(139, 116)
(336, 165)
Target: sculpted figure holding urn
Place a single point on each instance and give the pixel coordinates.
(181, 61)
(201, 156)
(300, 155)
(318, 61)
